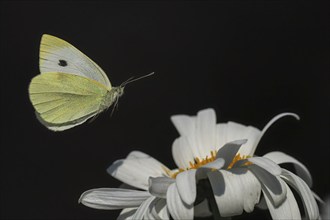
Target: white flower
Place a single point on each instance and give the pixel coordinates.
(216, 167)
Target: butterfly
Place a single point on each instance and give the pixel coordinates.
(71, 87)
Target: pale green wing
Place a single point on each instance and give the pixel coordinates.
(57, 55)
(64, 100)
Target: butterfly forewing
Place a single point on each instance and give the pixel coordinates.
(57, 55)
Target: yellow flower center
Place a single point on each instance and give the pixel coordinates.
(197, 163)
(201, 162)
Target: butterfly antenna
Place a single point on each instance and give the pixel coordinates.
(131, 79)
(127, 81)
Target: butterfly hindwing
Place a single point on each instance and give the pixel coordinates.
(57, 55)
(63, 100)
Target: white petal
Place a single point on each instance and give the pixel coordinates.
(221, 135)
(158, 186)
(202, 209)
(325, 208)
(287, 210)
(144, 207)
(137, 155)
(199, 131)
(231, 131)
(266, 164)
(262, 203)
(229, 151)
(186, 185)
(177, 208)
(234, 192)
(305, 193)
(126, 214)
(159, 210)
(136, 169)
(251, 188)
(318, 198)
(272, 121)
(182, 153)
(215, 165)
(302, 171)
(149, 215)
(184, 124)
(206, 132)
(271, 184)
(252, 134)
(113, 198)
(201, 172)
(235, 131)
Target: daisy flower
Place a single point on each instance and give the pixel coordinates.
(218, 174)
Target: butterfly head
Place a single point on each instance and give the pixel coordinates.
(119, 91)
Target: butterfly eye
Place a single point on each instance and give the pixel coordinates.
(62, 63)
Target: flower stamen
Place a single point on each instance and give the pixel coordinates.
(237, 158)
(201, 162)
(197, 163)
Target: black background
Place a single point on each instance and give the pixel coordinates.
(248, 61)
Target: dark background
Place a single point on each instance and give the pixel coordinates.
(248, 61)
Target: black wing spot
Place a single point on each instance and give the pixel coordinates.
(62, 63)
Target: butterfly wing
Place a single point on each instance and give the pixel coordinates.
(64, 100)
(57, 55)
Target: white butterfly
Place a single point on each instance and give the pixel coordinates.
(71, 87)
